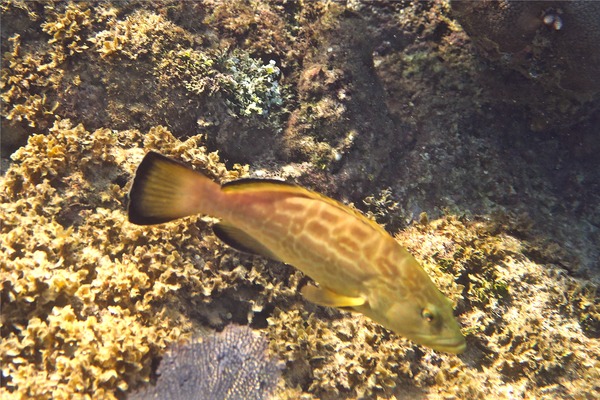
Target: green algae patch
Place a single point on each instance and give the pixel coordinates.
(247, 86)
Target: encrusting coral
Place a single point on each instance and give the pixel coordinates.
(232, 364)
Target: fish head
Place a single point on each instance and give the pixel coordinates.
(425, 317)
(430, 324)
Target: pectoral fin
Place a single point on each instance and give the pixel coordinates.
(326, 297)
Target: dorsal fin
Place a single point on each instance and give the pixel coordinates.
(252, 185)
(241, 241)
(252, 181)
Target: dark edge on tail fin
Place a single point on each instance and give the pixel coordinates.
(134, 213)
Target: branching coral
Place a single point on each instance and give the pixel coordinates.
(35, 71)
(67, 28)
(25, 84)
(139, 34)
(270, 29)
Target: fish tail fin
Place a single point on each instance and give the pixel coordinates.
(164, 190)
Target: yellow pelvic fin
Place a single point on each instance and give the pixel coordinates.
(327, 297)
(241, 241)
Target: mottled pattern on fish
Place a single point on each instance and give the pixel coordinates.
(356, 262)
(324, 240)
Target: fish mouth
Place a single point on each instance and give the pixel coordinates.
(451, 345)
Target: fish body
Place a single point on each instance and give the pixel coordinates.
(357, 264)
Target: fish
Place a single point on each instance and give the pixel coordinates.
(356, 263)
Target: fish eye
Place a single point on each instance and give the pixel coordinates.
(427, 315)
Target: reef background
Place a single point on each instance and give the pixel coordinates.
(388, 106)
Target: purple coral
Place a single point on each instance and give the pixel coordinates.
(232, 364)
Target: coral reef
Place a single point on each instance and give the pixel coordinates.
(232, 364)
(545, 40)
(84, 302)
(90, 300)
(386, 105)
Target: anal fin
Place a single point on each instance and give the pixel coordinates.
(241, 241)
(327, 297)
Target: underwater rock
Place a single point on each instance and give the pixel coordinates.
(232, 364)
(554, 43)
(558, 41)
